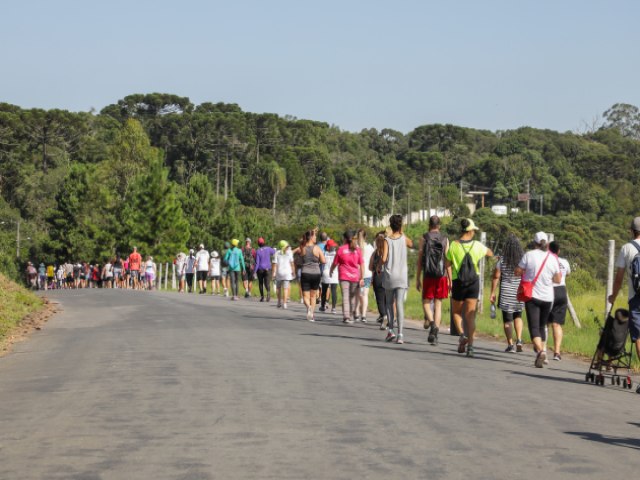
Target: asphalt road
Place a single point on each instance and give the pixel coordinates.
(138, 385)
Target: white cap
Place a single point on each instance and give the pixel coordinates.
(214, 254)
(540, 237)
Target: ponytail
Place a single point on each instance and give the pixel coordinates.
(350, 239)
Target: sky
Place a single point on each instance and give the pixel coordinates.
(489, 64)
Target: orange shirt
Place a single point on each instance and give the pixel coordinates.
(135, 259)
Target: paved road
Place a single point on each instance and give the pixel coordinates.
(130, 385)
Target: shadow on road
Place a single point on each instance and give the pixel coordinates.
(548, 377)
(633, 443)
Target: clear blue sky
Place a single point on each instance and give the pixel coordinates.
(493, 64)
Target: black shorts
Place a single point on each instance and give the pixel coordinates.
(202, 275)
(310, 281)
(560, 305)
(461, 292)
(508, 317)
(247, 274)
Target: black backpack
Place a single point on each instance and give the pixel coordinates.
(467, 273)
(433, 255)
(635, 270)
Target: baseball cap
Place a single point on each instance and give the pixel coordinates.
(540, 237)
(331, 243)
(201, 246)
(261, 241)
(283, 244)
(235, 242)
(227, 245)
(635, 224)
(248, 240)
(214, 254)
(191, 250)
(472, 226)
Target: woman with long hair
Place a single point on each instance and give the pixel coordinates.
(508, 304)
(541, 268)
(362, 298)
(375, 267)
(310, 257)
(350, 266)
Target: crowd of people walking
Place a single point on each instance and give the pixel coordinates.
(531, 282)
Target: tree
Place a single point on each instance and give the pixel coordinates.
(201, 209)
(625, 118)
(278, 180)
(153, 216)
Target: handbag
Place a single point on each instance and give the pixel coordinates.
(525, 289)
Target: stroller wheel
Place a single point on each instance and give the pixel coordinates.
(613, 380)
(618, 381)
(587, 377)
(601, 380)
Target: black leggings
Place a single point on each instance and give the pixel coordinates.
(325, 291)
(234, 282)
(264, 282)
(537, 317)
(378, 290)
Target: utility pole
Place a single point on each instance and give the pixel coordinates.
(460, 191)
(429, 212)
(528, 196)
(409, 207)
(541, 203)
(393, 198)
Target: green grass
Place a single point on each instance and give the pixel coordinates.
(16, 302)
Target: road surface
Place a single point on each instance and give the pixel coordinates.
(139, 385)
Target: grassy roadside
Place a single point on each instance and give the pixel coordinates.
(16, 303)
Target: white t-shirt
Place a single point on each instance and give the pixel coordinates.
(108, 270)
(283, 265)
(366, 254)
(531, 263)
(150, 267)
(565, 269)
(326, 278)
(625, 258)
(190, 264)
(214, 267)
(202, 261)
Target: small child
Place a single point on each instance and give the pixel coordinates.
(329, 282)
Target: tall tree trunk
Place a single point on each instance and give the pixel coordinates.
(218, 175)
(226, 178)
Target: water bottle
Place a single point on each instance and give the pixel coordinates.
(493, 311)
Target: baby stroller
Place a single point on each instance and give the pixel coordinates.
(611, 354)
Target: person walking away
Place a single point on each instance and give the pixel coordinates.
(248, 273)
(375, 266)
(214, 273)
(433, 277)
(60, 277)
(560, 301)
(180, 263)
(224, 271)
(395, 278)
(68, 273)
(126, 281)
(627, 265)
(263, 268)
(329, 281)
(235, 261)
(202, 269)
(362, 296)
(283, 269)
(311, 258)
(42, 276)
(51, 275)
(539, 267)
(149, 273)
(135, 263)
(77, 269)
(508, 303)
(190, 270)
(463, 257)
(117, 272)
(107, 274)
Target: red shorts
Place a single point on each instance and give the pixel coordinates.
(435, 288)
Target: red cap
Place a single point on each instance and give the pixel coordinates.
(261, 241)
(331, 243)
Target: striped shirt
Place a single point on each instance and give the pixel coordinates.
(509, 283)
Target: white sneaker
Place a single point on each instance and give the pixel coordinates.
(226, 292)
(284, 305)
(363, 319)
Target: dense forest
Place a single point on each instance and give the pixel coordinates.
(157, 171)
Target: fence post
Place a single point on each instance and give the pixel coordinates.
(159, 279)
(173, 276)
(572, 312)
(483, 240)
(166, 274)
(612, 253)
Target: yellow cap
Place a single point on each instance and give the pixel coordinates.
(235, 242)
